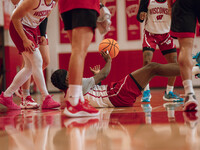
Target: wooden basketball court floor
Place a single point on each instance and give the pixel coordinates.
(157, 125)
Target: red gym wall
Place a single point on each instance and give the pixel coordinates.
(123, 64)
(13, 62)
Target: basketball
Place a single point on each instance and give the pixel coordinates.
(111, 46)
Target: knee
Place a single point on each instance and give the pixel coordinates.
(185, 61)
(81, 53)
(152, 67)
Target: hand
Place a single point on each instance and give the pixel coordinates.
(95, 70)
(43, 41)
(106, 56)
(29, 46)
(143, 15)
(104, 20)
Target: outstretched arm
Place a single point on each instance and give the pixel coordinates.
(103, 73)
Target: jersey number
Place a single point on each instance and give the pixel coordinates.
(159, 17)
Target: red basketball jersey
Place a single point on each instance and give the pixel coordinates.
(66, 5)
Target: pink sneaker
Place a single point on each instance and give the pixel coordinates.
(80, 110)
(49, 103)
(8, 102)
(29, 103)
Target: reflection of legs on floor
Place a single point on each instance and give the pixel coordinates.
(191, 120)
(147, 110)
(170, 108)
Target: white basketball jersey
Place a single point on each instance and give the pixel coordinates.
(158, 19)
(96, 94)
(34, 17)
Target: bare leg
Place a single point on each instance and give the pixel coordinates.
(146, 73)
(81, 37)
(171, 58)
(185, 60)
(147, 57)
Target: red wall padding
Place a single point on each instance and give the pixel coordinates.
(124, 63)
(13, 62)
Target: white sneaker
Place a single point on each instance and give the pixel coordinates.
(29, 103)
(191, 103)
(18, 93)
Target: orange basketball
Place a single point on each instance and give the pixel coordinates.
(111, 46)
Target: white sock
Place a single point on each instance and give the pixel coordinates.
(73, 94)
(25, 93)
(169, 88)
(188, 86)
(37, 72)
(20, 78)
(147, 87)
(195, 70)
(81, 96)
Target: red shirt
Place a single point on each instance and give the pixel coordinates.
(67, 5)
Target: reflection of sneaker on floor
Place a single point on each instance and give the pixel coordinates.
(191, 118)
(80, 122)
(8, 102)
(191, 103)
(18, 92)
(49, 103)
(146, 107)
(170, 108)
(80, 110)
(9, 118)
(147, 110)
(172, 97)
(29, 103)
(146, 96)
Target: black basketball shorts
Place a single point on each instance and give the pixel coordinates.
(79, 18)
(184, 17)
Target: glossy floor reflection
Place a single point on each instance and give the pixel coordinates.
(157, 125)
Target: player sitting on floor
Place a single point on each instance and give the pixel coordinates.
(116, 94)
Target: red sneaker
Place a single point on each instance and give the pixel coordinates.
(8, 102)
(81, 122)
(29, 103)
(49, 103)
(80, 110)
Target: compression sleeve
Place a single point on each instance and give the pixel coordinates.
(43, 27)
(142, 8)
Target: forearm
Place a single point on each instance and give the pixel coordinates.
(143, 7)
(103, 72)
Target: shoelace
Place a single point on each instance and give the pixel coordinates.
(30, 99)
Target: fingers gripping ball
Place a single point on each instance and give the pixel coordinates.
(111, 46)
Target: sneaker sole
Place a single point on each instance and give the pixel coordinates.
(190, 106)
(29, 107)
(79, 114)
(52, 107)
(171, 100)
